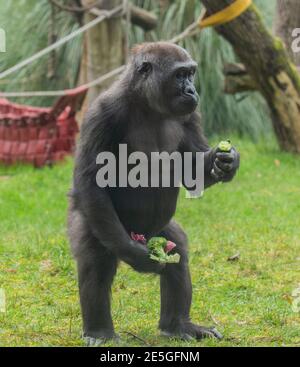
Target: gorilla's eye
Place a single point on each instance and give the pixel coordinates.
(180, 75)
(145, 68)
(185, 74)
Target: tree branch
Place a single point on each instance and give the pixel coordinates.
(237, 79)
(138, 16)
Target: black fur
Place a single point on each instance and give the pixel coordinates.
(151, 108)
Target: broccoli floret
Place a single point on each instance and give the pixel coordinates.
(225, 146)
(159, 248)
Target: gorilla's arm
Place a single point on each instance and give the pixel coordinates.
(195, 141)
(95, 202)
(224, 165)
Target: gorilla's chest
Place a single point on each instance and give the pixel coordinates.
(148, 137)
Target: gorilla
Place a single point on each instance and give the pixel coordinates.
(151, 108)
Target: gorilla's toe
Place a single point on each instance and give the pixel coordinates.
(190, 331)
(94, 342)
(98, 339)
(204, 332)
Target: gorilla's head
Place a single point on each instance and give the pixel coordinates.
(162, 76)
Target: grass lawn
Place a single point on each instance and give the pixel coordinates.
(257, 215)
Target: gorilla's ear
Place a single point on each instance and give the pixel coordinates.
(145, 68)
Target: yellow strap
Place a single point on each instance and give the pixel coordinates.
(226, 15)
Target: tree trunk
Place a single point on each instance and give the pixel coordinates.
(287, 19)
(104, 44)
(268, 63)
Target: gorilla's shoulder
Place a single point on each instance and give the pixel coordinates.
(105, 110)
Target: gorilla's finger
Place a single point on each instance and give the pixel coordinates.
(201, 332)
(89, 341)
(226, 157)
(139, 259)
(224, 166)
(216, 333)
(218, 172)
(151, 266)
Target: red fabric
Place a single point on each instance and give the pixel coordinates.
(40, 136)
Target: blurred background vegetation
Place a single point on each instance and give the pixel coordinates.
(27, 22)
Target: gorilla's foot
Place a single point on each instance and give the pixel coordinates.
(190, 331)
(95, 339)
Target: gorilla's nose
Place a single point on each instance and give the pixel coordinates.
(190, 91)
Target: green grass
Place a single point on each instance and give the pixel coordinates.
(257, 215)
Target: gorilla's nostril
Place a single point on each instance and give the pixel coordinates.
(190, 91)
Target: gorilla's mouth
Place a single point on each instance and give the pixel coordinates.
(189, 101)
(184, 105)
(190, 98)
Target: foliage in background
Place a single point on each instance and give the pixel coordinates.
(26, 25)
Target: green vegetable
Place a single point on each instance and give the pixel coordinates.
(159, 248)
(225, 146)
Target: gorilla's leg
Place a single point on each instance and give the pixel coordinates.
(176, 293)
(96, 270)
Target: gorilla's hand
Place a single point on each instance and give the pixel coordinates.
(138, 257)
(225, 164)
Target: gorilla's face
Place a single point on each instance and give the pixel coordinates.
(164, 78)
(181, 95)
